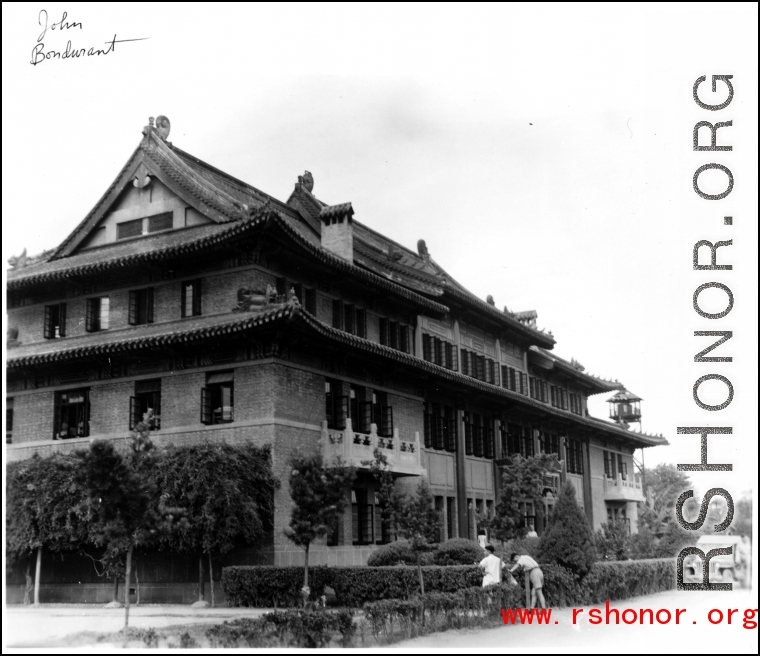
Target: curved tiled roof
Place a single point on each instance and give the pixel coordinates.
(188, 331)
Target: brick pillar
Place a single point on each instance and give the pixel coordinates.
(461, 478)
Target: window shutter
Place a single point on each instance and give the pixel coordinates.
(366, 416)
(349, 319)
(341, 412)
(298, 289)
(197, 297)
(311, 301)
(57, 412)
(489, 438)
(133, 407)
(62, 319)
(387, 421)
(440, 427)
(452, 430)
(329, 414)
(183, 299)
(48, 331)
(393, 337)
(132, 308)
(426, 354)
(206, 410)
(89, 322)
(453, 360)
(496, 374)
(404, 339)
(467, 434)
(428, 427)
(384, 337)
(337, 314)
(361, 323)
(465, 363)
(149, 303)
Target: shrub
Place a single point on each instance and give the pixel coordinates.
(458, 551)
(612, 541)
(568, 541)
(527, 546)
(397, 553)
(268, 586)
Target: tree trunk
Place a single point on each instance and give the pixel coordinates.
(137, 588)
(29, 582)
(127, 580)
(201, 581)
(211, 578)
(306, 568)
(116, 588)
(422, 584)
(37, 569)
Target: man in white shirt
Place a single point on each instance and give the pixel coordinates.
(535, 575)
(491, 566)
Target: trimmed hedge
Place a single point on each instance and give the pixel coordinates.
(394, 619)
(288, 629)
(458, 551)
(281, 586)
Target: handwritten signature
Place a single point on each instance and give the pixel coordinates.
(40, 54)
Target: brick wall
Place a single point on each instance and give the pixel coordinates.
(33, 417)
(181, 400)
(109, 407)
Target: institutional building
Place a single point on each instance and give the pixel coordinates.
(230, 315)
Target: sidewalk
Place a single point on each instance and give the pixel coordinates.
(30, 627)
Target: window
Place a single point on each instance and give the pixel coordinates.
(622, 467)
(349, 318)
(450, 501)
(129, 229)
(488, 447)
(574, 456)
(576, 404)
(145, 405)
(439, 352)
(516, 440)
(159, 222)
(336, 405)
(383, 414)
(72, 414)
(191, 298)
(97, 314)
(465, 360)
(549, 443)
(539, 389)
(477, 434)
(217, 398)
(141, 306)
(609, 465)
(9, 420)
(436, 426)
(362, 517)
(395, 335)
(55, 321)
(468, 435)
(439, 509)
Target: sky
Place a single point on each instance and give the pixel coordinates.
(543, 152)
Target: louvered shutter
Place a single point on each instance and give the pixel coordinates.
(361, 323)
(452, 433)
(337, 314)
(206, 409)
(465, 363)
(467, 434)
(349, 319)
(48, 331)
(132, 319)
(197, 297)
(453, 359)
(428, 427)
(384, 337)
(341, 412)
(426, 352)
(404, 339)
(133, 408)
(149, 302)
(440, 427)
(489, 438)
(62, 319)
(89, 322)
(57, 414)
(387, 421)
(496, 374)
(366, 416)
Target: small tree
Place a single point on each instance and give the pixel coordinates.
(568, 540)
(417, 521)
(227, 493)
(673, 540)
(387, 494)
(522, 481)
(42, 511)
(124, 499)
(613, 541)
(643, 544)
(318, 493)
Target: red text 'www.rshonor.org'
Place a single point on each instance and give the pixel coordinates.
(609, 615)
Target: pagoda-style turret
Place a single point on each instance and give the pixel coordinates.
(624, 408)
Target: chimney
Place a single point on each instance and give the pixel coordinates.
(338, 230)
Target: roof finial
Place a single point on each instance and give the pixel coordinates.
(489, 300)
(422, 248)
(163, 126)
(307, 180)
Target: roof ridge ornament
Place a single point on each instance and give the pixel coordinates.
(163, 127)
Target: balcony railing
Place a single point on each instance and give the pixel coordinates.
(623, 489)
(404, 455)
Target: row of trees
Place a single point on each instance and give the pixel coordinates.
(205, 499)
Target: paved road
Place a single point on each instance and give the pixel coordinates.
(694, 634)
(24, 626)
